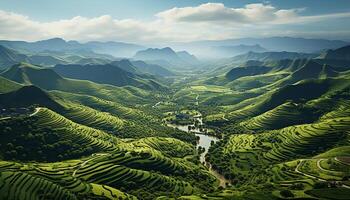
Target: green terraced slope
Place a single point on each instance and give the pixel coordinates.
(46, 135)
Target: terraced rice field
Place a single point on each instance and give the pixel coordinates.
(81, 134)
(168, 146)
(101, 174)
(151, 164)
(277, 146)
(284, 115)
(305, 139)
(36, 181)
(93, 118)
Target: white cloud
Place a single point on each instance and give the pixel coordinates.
(206, 21)
(217, 12)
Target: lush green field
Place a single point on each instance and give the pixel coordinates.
(282, 128)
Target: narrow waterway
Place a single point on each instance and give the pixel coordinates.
(204, 141)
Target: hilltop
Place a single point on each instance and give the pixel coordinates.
(117, 73)
(337, 54)
(9, 57)
(166, 54)
(27, 96)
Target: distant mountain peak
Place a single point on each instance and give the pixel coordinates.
(168, 49)
(342, 53)
(30, 74)
(53, 40)
(166, 54)
(26, 96)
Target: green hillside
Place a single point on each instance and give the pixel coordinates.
(27, 96)
(106, 74)
(275, 127)
(46, 78)
(144, 163)
(342, 53)
(8, 85)
(9, 57)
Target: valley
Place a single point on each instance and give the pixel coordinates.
(262, 125)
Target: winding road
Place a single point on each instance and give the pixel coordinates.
(224, 118)
(35, 112)
(337, 159)
(314, 177)
(4, 118)
(155, 105)
(30, 115)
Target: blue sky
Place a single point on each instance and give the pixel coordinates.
(45, 10)
(159, 20)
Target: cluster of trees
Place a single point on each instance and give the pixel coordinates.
(22, 140)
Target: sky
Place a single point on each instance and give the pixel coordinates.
(159, 21)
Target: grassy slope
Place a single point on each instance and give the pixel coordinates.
(47, 79)
(299, 111)
(8, 85)
(150, 163)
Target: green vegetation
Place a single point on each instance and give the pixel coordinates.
(279, 128)
(108, 74)
(8, 86)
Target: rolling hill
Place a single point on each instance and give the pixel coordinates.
(272, 125)
(272, 56)
(107, 74)
(48, 79)
(27, 96)
(342, 53)
(154, 69)
(8, 85)
(9, 57)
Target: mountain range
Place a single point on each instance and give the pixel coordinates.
(119, 49)
(203, 48)
(166, 54)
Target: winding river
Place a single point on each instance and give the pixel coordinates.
(204, 141)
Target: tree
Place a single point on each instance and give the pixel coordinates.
(286, 193)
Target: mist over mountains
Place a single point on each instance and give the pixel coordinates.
(227, 47)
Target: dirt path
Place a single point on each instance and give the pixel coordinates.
(155, 105)
(4, 118)
(337, 159)
(35, 112)
(320, 167)
(308, 175)
(314, 177)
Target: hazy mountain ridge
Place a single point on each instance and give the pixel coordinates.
(9, 57)
(272, 56)
(337, 54)
(58, 44)
(166, 54)
(232, 50)
(291, 44)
